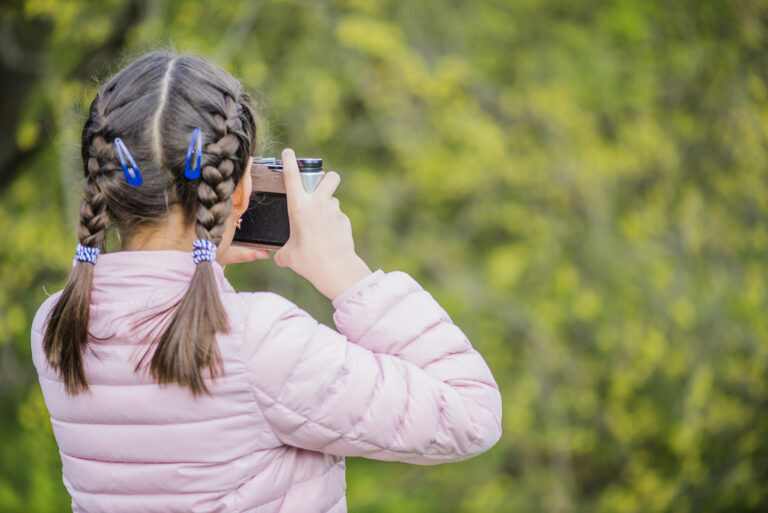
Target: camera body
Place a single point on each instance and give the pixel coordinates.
(265, 224)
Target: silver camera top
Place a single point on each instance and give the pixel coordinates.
(311, 173)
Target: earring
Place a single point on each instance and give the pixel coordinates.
(238, 222)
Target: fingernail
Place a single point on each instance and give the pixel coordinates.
(288, 151)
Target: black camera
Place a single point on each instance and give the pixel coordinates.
(265, 224)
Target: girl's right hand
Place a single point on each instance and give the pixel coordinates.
(320, 247)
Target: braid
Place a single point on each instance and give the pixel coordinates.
(189, 343)
(93, 210)
(215, 189)
(66, 335)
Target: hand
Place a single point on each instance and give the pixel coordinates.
(241, 254)
(320, 247)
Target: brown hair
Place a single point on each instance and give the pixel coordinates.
(154, 105)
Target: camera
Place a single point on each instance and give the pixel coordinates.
(265, 224)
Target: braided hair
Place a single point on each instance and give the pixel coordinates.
(180, 93)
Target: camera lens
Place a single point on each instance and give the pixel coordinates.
(310, 164)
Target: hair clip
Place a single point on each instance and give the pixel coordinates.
(132, 173)
(193, 173)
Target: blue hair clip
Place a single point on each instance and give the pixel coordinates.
(193, 173)
(132, 173)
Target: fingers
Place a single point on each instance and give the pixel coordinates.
(259, 254)
(292, 176)
(328, 184)
(281, 258)
(293, 185)
(241, 254)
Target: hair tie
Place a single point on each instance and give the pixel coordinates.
(86, 253)
(132, 173)
(205, 250)
(192, 169)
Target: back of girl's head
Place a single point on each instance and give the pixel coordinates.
(154, 106)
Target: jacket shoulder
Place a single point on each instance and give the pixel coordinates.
(41, 317)
(38, 331)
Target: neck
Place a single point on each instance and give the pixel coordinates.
(171, 233)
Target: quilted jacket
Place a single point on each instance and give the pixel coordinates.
(398, 381)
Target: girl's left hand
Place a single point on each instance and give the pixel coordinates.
(241, 254)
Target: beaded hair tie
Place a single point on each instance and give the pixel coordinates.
(86, 253)
(205, 251)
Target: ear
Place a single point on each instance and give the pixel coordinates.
(242, 193)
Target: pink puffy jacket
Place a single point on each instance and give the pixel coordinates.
(398, 381)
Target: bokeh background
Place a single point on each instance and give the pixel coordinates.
(581, 184)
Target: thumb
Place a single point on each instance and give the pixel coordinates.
(280, 257)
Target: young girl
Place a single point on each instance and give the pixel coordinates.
(169, 391)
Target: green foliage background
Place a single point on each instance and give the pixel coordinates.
(582, 185)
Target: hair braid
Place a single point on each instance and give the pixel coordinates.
(178, 358)
(93, 210)
(67, 331)
(215, 188)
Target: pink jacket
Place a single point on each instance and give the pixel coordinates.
(398, 381)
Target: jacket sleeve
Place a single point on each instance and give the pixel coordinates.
(398, 381)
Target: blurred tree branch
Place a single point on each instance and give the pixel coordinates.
(24, 64)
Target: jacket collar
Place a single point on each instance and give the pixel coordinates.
(126, 276)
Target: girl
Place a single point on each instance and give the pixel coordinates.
(169, 391)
